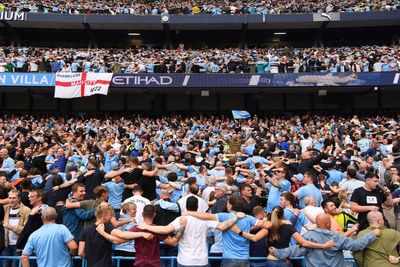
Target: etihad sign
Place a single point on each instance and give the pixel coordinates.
(142, 80)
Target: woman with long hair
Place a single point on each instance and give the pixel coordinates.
(278, 232)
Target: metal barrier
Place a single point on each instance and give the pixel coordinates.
(166, 259)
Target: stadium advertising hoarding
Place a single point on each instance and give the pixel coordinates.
(27, 79)
(12, 15)
(149, 80)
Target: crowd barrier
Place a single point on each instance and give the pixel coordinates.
(169, 261)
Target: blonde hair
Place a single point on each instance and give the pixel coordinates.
(103, 209)
(276, 221)
(342, 195)
(126, 207)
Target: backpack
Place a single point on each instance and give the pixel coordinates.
(345, 220)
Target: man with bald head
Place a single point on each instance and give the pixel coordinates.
(322, 234)
(378, 252)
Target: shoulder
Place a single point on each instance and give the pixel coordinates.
(108, 227)
(24, 209)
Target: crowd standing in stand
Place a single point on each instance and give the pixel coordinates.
(276, 187)
(215, 7)
(230, 60)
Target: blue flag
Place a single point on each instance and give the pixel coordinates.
(240, 114)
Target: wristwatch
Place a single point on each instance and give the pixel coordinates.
(241, 233)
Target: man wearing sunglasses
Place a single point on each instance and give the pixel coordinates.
(277, 184)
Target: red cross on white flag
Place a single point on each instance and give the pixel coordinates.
(72, 85)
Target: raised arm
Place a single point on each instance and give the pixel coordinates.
(273, 181)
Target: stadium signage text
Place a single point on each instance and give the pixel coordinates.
(141, 80)
(220, 80)
(28, 79)
(11, 15)
(25, 80)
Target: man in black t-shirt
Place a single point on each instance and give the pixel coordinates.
(148, 182)
(91, 179)
(97, 240)
(131, 175)
(370, 198)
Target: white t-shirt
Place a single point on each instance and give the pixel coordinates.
(140, 203)
(13, 221)
(350, 186)
(192, 248)
(202, 205)
(305, 144)
(312, 212)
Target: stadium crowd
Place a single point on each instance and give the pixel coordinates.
(253, 187)
(145, 7)
(181, 60)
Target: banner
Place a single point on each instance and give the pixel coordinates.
(220, 80)
(72, 85)
(200, 80)
(27, 79)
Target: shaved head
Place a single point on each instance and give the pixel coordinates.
(374, 217)
(323, 221)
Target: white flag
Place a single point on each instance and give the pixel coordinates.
(71, 85)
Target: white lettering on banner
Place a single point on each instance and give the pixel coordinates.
(186, 80)
(142, 80)
(254, 80)
(95, 89)
(396, 78)
(10, 15)
(21, 79)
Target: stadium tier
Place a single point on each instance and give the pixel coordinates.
(259, 58)
(217, 7)
(181, 60)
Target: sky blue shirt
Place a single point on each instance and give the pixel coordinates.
(115, 191)
(335, 176)
(49, 243)
(308, 190)
(107, 163)
(235, 246)
(274, 195)
(8, 165)
(298, 221)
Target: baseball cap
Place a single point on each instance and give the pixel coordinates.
(299, 176)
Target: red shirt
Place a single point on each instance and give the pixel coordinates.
(147, 251)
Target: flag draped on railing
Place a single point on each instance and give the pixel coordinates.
(72, 85)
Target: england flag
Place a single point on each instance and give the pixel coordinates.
(72, 85)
